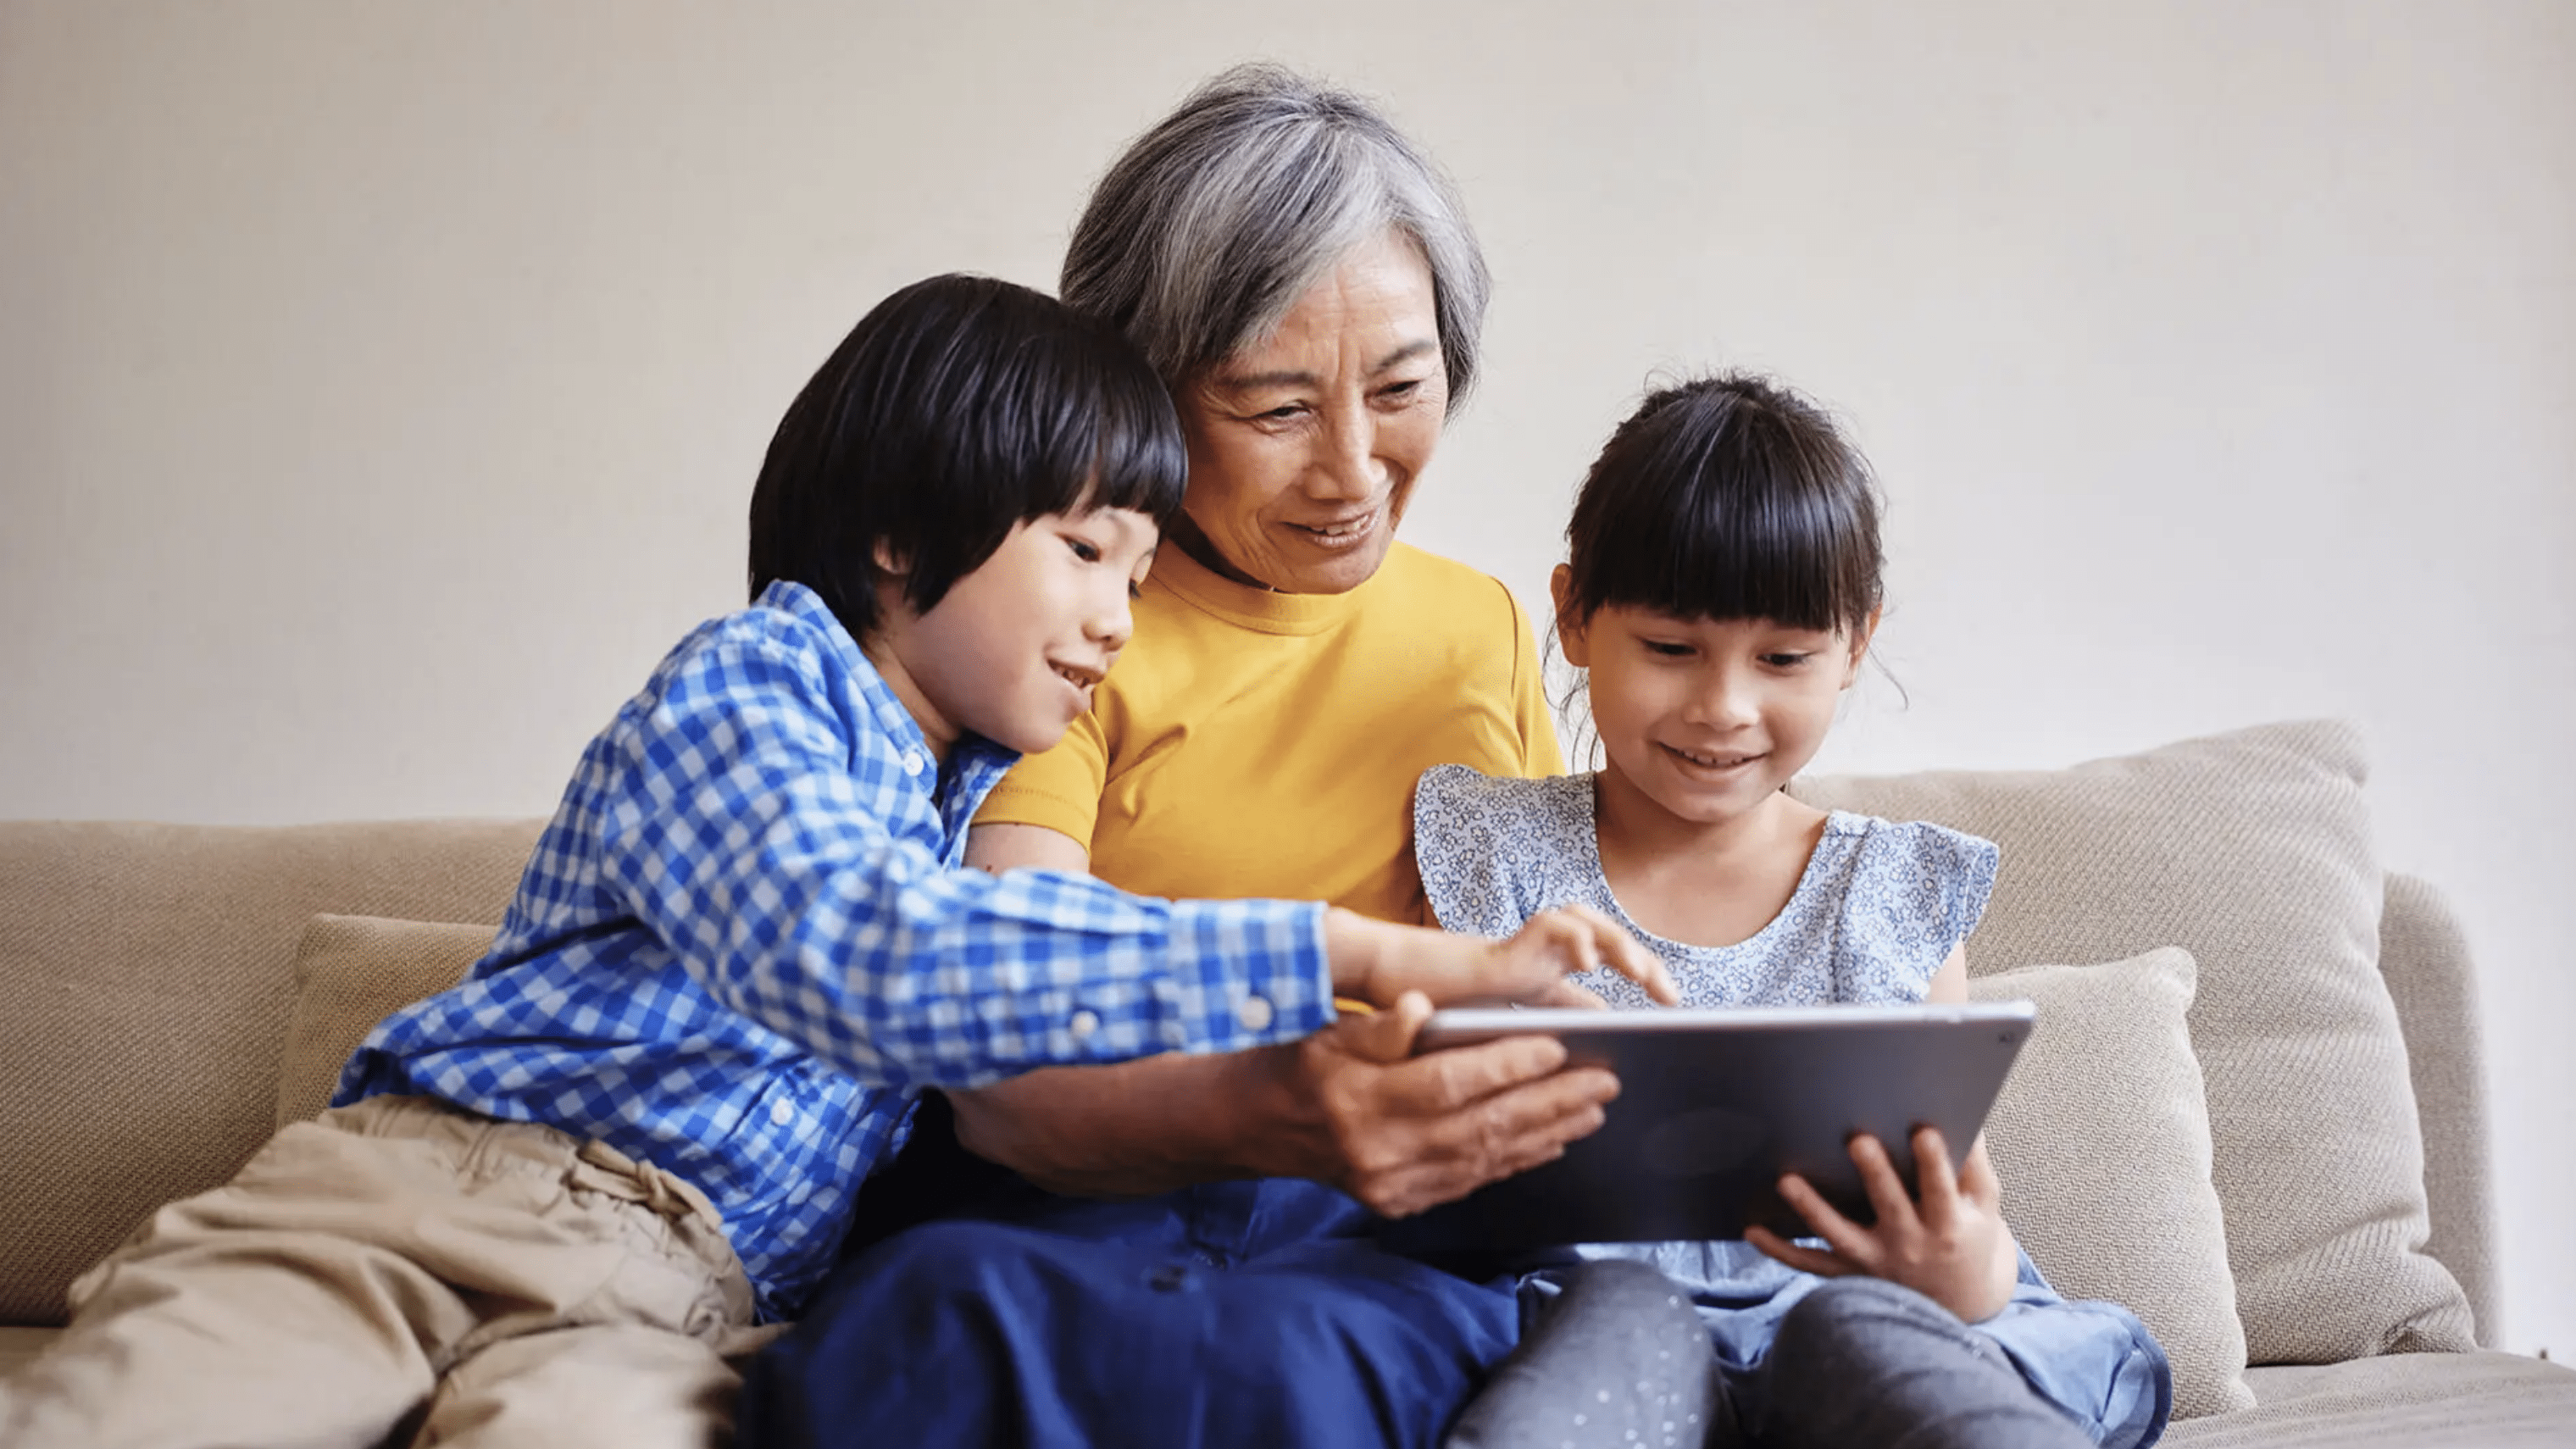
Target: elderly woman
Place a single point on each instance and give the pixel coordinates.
(1308, 287)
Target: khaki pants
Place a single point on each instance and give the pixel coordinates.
(400, 1271)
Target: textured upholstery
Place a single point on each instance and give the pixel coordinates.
(2402, 1401)
(144, 983)
(350, 973)
(2101, 1138)
(2252, 851)
(2425, 960)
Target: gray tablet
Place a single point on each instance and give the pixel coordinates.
(1714, 1105)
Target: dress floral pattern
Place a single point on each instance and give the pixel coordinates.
(1880, 907)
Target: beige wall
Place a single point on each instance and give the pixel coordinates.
(381, 385)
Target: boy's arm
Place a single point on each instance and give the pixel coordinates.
(741, 820)
(740, 827)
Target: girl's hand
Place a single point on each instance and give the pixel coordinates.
(1379, 962)
(1952, 1247)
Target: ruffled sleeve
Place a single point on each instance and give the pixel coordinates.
(1918, 889)
(1465, 827)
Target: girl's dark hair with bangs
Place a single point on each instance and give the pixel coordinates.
(1728, 497)
(957, 409)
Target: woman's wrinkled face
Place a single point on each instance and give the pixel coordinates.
(1304, 447)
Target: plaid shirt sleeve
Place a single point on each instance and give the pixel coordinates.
(745, 823)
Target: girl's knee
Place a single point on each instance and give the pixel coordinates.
(1615, 1309)
(1621, 1359)
(1842, 1315)
(1863, 1361)
(1839, 1301)
(1624, 1286)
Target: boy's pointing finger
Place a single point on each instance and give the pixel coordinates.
(1612, 944)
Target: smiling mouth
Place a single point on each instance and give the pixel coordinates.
(1710, 763)
(1340, 531)
(1077, 676)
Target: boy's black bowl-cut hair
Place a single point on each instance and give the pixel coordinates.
(956, 409)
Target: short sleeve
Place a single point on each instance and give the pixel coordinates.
(1541, 756)
(1462, 820)
(1917, 891)
(1059, 788)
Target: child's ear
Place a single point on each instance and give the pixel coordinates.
(1860, 647)
(1570, 634)
(893, 569)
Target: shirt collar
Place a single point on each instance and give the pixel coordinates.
(976, 761)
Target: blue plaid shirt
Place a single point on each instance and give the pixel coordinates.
(747, 940)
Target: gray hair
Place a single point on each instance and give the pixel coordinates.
(1212, 224)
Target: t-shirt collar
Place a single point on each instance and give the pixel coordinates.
(1210, 592)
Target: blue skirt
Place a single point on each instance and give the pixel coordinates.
(1243, 1313)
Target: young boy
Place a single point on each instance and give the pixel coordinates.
(549, 1201)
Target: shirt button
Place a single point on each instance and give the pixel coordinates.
(781, 1113)
(1254, 1013)
(1084, 1023)
(913, 763)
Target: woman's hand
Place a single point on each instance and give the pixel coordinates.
(1403, 1133)
(1952, 1246)
(1351, 1106)
(1379, 962)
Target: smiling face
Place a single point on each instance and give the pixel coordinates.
(1013, 650)
(1305, 446)
(1705, 719)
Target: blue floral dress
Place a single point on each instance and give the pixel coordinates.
(1880, 906)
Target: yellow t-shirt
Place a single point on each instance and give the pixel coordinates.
(1257, 744)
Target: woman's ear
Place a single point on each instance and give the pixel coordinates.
(1570, 633)
(1860, 638)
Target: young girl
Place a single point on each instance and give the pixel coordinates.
(1721, 591)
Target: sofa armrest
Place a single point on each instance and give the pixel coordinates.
(2424, 957)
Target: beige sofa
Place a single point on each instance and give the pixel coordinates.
(2252, 1110)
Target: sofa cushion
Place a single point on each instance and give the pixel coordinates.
(2101, 1138)
(144, 984)
(2251, 850)
(350, 973)
(2402, 1401)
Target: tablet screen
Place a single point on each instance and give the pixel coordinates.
(1715, 1105)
